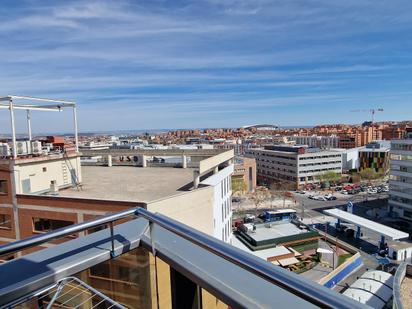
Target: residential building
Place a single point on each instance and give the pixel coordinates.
(400, 182)
(294, 166)
(48, 190)
(347, 142)
(323, 142)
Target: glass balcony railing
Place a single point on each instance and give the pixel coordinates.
(150, 261)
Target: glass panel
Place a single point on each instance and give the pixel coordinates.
(128, 279)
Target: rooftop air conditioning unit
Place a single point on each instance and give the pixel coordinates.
(29, 147)
(36, 147)
(21, 148)
(5, 150)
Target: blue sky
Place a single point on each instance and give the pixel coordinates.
(213, 63)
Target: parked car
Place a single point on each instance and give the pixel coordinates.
(249, 218)
(344, 192)
(332, 198)
(236, 199)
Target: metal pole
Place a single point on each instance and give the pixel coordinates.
(29, 123)
(13, 129)
(76, 137)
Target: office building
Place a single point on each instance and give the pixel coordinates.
(244, 174)
(400, 182)
(350, 158)
(375, 155)
(294, 166)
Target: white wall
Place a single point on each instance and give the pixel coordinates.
(40, 173)
(222, 204)
(193, 208)
(350, 159)
(404, 254)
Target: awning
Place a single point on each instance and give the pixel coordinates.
(288, 261)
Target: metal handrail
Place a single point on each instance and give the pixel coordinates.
(64, 231)
(313, 293)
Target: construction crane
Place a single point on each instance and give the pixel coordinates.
(372, 111)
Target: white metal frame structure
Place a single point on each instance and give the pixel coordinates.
(9, 102)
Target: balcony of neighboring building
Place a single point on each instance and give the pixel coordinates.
(404, 182)
(401, 188)
(401, 161)
(400, 199)
(402, 152)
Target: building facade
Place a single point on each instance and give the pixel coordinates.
(323, 142)
(244, 174)
(295, 166)
(375, 155)
(400, 182)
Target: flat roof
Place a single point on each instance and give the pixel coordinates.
(382, 149)
(263, 254)
(281, 211)
(275, 231)
(129, 183)
(378, 228)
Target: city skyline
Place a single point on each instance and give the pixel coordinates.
(152, 65)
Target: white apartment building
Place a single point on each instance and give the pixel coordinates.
(400, 183)
(296, 165)
(222, 203)
(324, 142)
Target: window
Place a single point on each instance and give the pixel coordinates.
(41, 225)
(5, 222)
(407, 214)
(44, 169)
(3, 187)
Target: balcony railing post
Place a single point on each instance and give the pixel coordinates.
(112, 253)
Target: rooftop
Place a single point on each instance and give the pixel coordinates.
(265, 253)
(132, 184)
(373, 288)
(276, 231)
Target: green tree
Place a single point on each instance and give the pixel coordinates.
(368, 174)
(329, 177)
